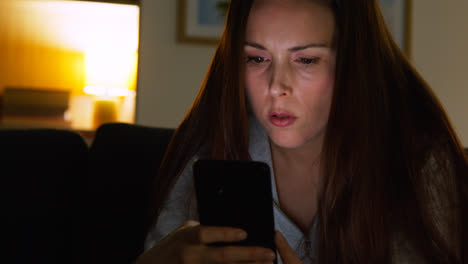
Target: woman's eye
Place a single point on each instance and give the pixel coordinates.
(308, 60)
(256, 59)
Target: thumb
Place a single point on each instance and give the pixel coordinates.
(191, 223)
(288, 255)
(181, 232)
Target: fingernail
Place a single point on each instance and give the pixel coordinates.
(241, 235)
(269, 254)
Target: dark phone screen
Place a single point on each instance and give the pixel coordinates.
(236, 194)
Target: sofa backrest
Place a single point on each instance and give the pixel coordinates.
(65, 202)
(43, 182)
(123, 161)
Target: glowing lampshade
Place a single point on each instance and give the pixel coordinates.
(107, 91)
(110, 72)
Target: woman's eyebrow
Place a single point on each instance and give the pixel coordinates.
(292, 49)
(312, 45)
(254, 45)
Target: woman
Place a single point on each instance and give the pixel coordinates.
(367, 168)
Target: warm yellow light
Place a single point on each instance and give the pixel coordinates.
(111, 68)
(105, 111)
(107, 91)
(77, 25)
(102, 39)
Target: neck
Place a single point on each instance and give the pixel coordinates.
(302, 163)
(298, 180)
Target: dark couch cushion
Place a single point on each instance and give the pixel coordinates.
(43, 178)
(124, 160)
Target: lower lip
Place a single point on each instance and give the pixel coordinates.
(282, 122)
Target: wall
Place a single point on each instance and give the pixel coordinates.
(440, 52)
(171, 73)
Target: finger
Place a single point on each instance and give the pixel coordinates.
(183, 229)
(190, 223)
(230, 254)
(258, 262)
(212, 234)
(288, 255)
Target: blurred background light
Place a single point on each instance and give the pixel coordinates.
(76, 25)
(77, 46)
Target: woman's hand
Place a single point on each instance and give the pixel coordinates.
(288, 256)
(188, 244)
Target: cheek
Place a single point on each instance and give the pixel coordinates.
(317, 88)
(317, 95)
(254, 86)
(325, 83)
(328, 85)
(249, 86)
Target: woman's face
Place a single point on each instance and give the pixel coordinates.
(289, 71)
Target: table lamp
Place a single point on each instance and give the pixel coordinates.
(108, 76)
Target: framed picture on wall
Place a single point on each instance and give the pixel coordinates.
(397, 16)
(201, 21)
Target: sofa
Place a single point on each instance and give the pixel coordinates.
(67, 202)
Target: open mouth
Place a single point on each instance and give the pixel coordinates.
(282, 119)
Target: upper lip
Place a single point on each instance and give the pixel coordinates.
(281, 113)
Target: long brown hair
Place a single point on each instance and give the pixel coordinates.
(395, 175)
(217, 120)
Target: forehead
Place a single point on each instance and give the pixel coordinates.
(290, 21)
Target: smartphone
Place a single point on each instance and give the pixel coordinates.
(236, 194)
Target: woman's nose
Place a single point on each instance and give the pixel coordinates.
(281, 81)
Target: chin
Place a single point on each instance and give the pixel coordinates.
(287, 140)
